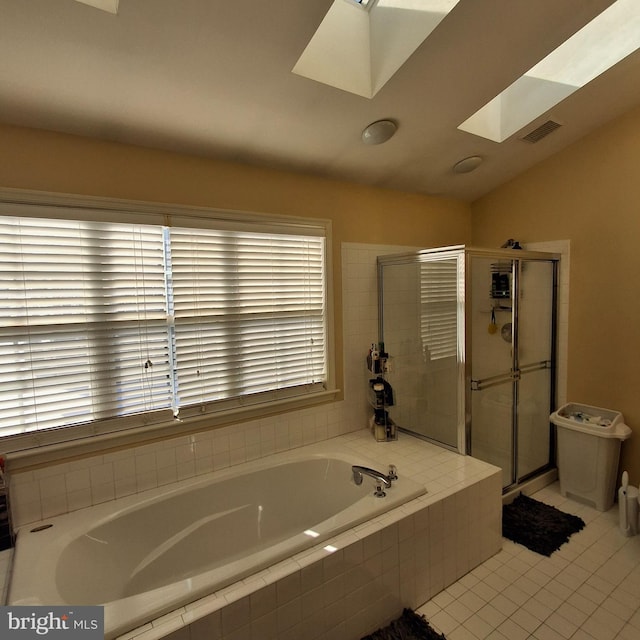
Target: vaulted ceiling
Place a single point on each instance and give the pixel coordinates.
(213, 78)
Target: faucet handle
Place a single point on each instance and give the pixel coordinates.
(393, 472)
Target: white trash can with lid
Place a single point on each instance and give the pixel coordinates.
(589, 441)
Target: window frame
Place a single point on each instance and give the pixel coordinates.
(40, 447)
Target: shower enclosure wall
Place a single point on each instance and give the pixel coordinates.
(471, 338)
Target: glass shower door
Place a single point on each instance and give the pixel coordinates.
(490, 287)
(421, 317)
(512, 351)
(535, 355)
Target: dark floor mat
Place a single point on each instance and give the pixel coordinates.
(409, 626)
(538, 526)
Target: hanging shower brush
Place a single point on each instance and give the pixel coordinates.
(493, 327)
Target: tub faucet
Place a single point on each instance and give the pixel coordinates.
(378, 476)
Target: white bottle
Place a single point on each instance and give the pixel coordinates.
(628, 499)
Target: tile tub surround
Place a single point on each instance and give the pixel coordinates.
(359, 580)
(65, 487)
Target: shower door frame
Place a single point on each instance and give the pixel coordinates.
(464, 256)
(517, 258)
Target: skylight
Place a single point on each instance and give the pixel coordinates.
(360, 45)
(105, 5)
(598, 46)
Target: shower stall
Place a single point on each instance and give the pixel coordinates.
(471, 337)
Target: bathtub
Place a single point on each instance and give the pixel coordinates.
(148, 554)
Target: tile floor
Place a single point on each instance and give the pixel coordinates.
(587, 590)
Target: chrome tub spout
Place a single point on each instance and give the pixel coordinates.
(380, 478)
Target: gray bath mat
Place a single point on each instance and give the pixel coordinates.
(538, 526)
(409, 626)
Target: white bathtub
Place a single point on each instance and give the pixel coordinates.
(148, 554)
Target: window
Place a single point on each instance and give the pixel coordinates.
(109, 325)
(601, 44)
(249, 317)
(439, 308)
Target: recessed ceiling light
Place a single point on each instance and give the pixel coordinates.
(598, 46)
(379, 132)
(468, 164)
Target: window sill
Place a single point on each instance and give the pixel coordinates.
(55, 453)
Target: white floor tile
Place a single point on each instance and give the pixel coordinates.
(526, 620)
(512, 630)
(587, 590)
(478, 627)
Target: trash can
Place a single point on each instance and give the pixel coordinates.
(589, 441)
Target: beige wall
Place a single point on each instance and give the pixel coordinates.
(589, 194)
(48, 161)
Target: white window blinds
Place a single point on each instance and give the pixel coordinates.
(439, 307)
(114, 325)
(249, 315)
(83, 325)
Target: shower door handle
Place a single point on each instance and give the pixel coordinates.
(535, 366)
(513, 375)
(492, 381)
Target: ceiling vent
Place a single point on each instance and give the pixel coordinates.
(541, 132)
